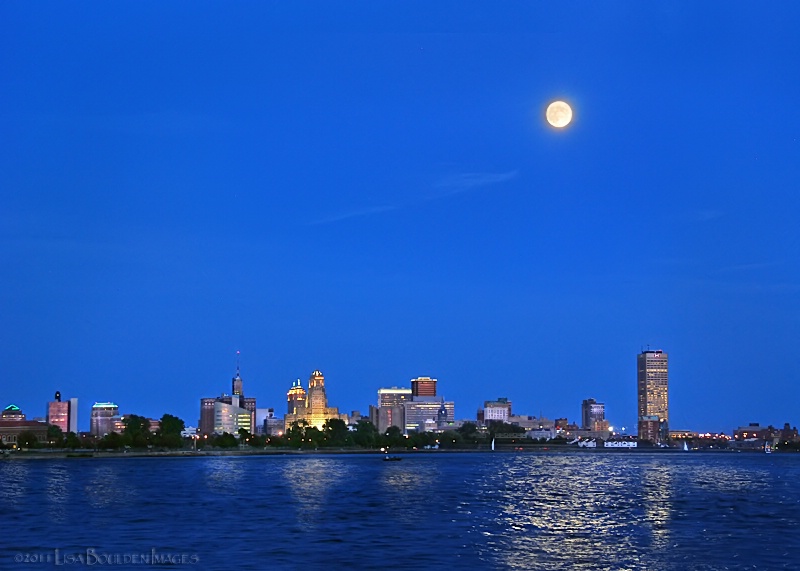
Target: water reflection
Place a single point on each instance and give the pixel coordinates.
(108, 485)
(562, 512)
(310, 482)
(657, 500)
(57, 491)
(404, 489)
(15, 481)
(224, 474)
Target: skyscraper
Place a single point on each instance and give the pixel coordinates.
(652, 395)
(592, 412)
(295, 398)
(102, 420)
(73, 415)
(212, 413)
(393, 397)
(315, 409)
(423, 387)
(58, 413)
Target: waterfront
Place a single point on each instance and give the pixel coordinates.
(471, 510)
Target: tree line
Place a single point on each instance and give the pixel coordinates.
(335, 433)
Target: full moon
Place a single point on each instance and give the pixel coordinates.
(559, 114)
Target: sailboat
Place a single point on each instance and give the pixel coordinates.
(767, 448)
(685, 447)
(492, 444)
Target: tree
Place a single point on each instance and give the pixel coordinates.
(450, 439)
(336, 433)
(111, 441)
(421, 439)
(72, 441)
(257, 441)
(169, 432)
(296, 433)
(468, 432)
(136, 431)
(226, 440)
(27, 439)
(393, 437)
(500, 427)
(314, 437)
(275, 440)
(55, 436)
(366, 435)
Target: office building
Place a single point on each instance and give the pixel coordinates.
(211, 415)
(424, 412)
(268, 423)
(593, 414)
(385, 416)
(231, 417)
(102, 419)
(390, 411)
(495, 410)
(653, 395)
(13, 423)
(393, 396)
(423, 387)
(73, 415)
(295, 397)
(314, 409)
(58, 413)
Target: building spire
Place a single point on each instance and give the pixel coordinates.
(237, 380)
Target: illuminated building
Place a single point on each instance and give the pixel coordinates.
(13, 423)
(420, 412)
(423, 387)
(385, 416)
(296, 398)
(495, 410)
(12, 412)
(393, 397)
(101, 422)
(209, 410)
(230, 417)
(314, 410)
(61, 414)
(652, 393)
(649, 427)
(593, 414)
(390, 411)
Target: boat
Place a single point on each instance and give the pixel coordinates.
(767, 448)
(392, 459)
(685, 447)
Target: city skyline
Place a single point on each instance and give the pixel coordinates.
(376, 192)
(652, 388)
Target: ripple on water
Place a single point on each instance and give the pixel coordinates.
(498, 511)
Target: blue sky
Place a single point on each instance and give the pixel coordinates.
(370, 189)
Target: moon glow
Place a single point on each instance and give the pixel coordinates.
(559, 114)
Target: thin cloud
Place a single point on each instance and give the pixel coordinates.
(465, 182)
(166, 123)
(704, 215)
(748, 267)
(452, 185)
(357, 213)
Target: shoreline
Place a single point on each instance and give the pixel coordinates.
(93, 454)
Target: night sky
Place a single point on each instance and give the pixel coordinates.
(371, 189)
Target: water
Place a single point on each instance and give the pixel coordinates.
(464, 511)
